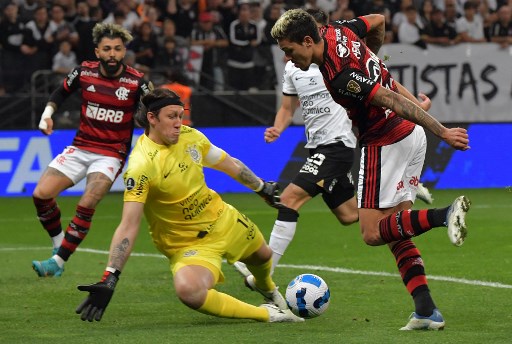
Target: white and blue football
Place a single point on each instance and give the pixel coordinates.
(308, 296)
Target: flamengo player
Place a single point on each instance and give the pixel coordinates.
(110, 93)
(392, 141)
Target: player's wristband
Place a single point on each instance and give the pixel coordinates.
(113, 271)
(47, 113)
(260, 187)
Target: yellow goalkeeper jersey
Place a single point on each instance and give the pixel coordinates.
(169, 180)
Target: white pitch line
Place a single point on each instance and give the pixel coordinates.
(298, 267)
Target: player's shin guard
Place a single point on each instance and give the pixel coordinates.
(76, 232)
(410, 223)
(409, 263)
(226, 306)
(48, 213)
(282, 233)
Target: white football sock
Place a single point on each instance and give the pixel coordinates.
(281, 236)
(57, 240)
(59, 260)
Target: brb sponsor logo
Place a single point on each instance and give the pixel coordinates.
(98, 113)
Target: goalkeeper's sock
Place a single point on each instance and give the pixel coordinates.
(76, 231)
(48, 213)
(262, 277)
(410, 223)
(282, 234)
(226, 306)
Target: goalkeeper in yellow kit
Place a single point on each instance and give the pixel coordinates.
(189, 223)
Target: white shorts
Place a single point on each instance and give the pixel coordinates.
(389, 175)
(76, 163)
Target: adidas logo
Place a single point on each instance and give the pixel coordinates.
(91, 88)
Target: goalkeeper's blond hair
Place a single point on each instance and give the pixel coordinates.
(111, 31)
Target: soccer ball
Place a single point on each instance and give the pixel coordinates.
(308, 296)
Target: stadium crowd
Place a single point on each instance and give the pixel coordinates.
(235, 34)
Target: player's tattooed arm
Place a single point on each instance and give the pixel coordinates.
(404, 108)
(239, 172)
(120, 254)
(125, 234)
(247, 177)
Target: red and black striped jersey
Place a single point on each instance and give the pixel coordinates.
(352, 74)
(107, 109)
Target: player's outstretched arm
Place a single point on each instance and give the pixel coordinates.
(94, 305)
(283, 118)
(403, 107)
(237, 170)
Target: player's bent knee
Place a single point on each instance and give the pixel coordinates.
(190, 295)
(350, 219)
(371, 238)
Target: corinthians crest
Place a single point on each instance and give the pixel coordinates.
(195, 154)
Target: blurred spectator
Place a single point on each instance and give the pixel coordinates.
(65, 60)
(501, 31)
(438, 32)
(213, 40)
(59, 29)
(409, 31)
(130, 19)
(401, 17)
(36, 48)
(489, 16)
(173, 49)
(144, 45)
(425, 13)
(26, 9)
(244, 36)
(450, 13)
(327, 6)
(184, 13)
(224, 12)
(129, 60)
(470, 27)
(152, 15)
(179, 84)
(264, 75)
(374, 6)
(11, 38)
(69, 7)
(95, 4)
(342, 6)
(269, 6)
(169, 55)
(169, 30)
(276, 10)
(83, 24)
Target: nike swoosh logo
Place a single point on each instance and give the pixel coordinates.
(166, 174)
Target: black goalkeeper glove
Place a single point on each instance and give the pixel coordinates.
(270, 194)
(93, 307)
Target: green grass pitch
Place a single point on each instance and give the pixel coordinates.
(472, 285)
